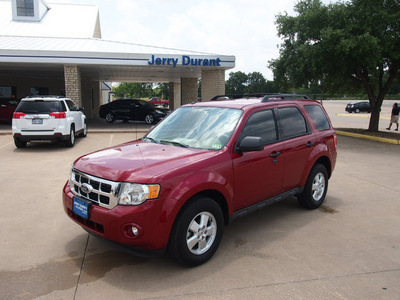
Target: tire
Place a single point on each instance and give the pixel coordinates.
(149, 119)
(315, 189)
(19, 144)
(357, 110)
(71, 138)
(85, 130)
(110, 117)
(197, 232)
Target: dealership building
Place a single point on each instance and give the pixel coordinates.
(57, 49)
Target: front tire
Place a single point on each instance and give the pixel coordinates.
(197, 232)
(71, 138)
(315, 189)
(85, 130)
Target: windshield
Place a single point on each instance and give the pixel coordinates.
(197, 127)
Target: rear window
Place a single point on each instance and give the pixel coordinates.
(318, 116)
(40, 107)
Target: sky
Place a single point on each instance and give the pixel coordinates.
(242, 28)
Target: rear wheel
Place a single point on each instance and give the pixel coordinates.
(197, 232)
(315, 189)
(149, 119)
(110, 117)
(19, 144)
(71, 138)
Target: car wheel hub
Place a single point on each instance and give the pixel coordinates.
(201, 233)
(318, 187)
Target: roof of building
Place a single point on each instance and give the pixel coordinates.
(67, 35)
(62, 20)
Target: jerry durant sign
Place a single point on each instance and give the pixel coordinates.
(185, 61)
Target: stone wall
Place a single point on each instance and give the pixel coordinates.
(73, 89)
(212, 84)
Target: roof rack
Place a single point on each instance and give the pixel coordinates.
(238, 96)
(45, 96)
(285, 97)
(265, 97)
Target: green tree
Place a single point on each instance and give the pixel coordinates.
(256, 83)
(161, 90)
(236, 84)
(133, 90)
(341, 46)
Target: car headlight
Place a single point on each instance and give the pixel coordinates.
(160, 112)
(136, 194)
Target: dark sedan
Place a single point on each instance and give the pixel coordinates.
(132, 109)
(358, 107)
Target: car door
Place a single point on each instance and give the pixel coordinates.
(140, 110)
(75, 114)
(298, 145)
(258, 175)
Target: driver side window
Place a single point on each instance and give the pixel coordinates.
(261, 124)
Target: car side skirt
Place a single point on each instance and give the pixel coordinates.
(261, 205)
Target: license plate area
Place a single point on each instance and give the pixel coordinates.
(82, 207)
(37, 121)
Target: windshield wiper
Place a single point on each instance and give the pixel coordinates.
(151, 139)
(174, 143)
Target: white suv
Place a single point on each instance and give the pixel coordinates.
(53, 118)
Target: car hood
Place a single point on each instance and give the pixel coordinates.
(138, 161)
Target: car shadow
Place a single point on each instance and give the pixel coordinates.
(249, 238)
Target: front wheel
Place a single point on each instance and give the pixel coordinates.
(315, 189)
(149, 119)
(70, 142)
(197, 232)
(85, 130)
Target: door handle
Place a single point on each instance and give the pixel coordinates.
(310, 144)
(275, 154)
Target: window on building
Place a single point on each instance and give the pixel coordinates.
(7, 91)
(35, 91)
(25, 8)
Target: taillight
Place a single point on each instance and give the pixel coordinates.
(18, 115)
(58, 115)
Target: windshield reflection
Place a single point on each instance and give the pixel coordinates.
(197, 127)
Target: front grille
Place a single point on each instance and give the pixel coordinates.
(100, 191)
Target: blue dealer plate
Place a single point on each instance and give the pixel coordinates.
(81, 207)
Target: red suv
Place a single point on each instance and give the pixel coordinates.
(203, 166)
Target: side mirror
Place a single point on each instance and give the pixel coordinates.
(81, 109)
(250, 143)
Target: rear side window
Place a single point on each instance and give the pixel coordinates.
(293, 122)
(39, 107)
(261, 124)
(318, 116)
(71, 105)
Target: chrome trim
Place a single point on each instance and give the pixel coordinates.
(99, 193)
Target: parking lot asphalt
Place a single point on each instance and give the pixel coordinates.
(347, 249)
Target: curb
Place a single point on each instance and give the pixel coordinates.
(368, 137)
